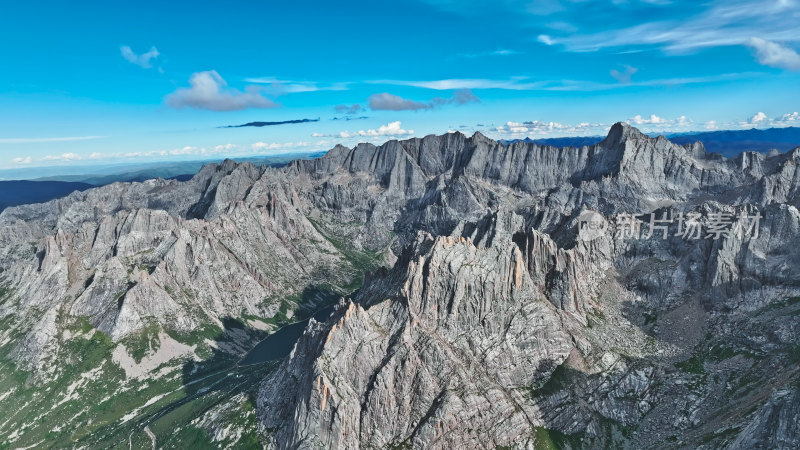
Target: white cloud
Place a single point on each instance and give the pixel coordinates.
(50, 139)
(755, 120)
(226, 147)
(262, 147)
(209, 91)
(22, 160)
(761, 120)
(774, 55)
(788, 119)
(531, 128)
(711, 125)
(144, 60)
(390, 129)
(639, 120)
(658, 124)
(66, 157)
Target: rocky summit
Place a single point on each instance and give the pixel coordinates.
(439, 292)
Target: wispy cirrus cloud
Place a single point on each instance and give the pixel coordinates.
(527, 84)
(209, 91)
(277, 86)
(47, 139)
(498, 52)
(514, 83)
(143, 60)
(720, 23)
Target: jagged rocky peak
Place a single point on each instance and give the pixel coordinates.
(621, 132)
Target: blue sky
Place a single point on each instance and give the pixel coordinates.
(111, 82)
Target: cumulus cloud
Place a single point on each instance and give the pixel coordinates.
(762, 120)
(388, 102)
(390, 129)
(624, 76)
(774, 55)
(755, 120)
(209, 91)
(62, 157)
(656, 123)
(144, 60)
(537, 127)
(348, 109)
(711, 125)
(788, 119)
(639, 120)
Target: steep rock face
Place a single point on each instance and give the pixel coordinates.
(431, 355)
(125, 267)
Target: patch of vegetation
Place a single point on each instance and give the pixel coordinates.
(694, 365)
(399, 445)
(360, 261)
(144, 342)
(547, 439)
(190, 437)
(780, 304)
(6, 292)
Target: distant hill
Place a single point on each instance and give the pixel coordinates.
(103, 174)
(40, 189)
(733, 142)
(21, 192)
(726, 142)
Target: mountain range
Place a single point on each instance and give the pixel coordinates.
(438, 292)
